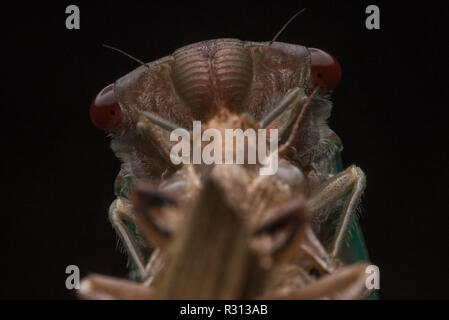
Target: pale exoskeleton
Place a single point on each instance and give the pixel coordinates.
(224, 230)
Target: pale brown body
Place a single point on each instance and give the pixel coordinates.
(230, 83)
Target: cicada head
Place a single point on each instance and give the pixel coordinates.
(196, 81)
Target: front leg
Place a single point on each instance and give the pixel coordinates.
(350, 180)
(345, 283)
(147, 201)
(118, 215)
(99, 287)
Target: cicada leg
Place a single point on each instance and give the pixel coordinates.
(343, 284)
(119, 215)
(99, 287)
(156, 131)
(285, 147)
(302, 245)
(146, 203)
(286, 109)
(350, 180)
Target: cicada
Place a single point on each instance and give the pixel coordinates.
(223, 231)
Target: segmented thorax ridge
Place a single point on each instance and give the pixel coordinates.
(210, 74)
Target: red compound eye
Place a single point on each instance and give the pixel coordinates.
(326, 70)
(104, 111)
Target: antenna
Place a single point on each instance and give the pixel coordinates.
(286, 24)
(126, 54)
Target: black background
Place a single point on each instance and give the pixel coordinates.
(57, 170)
